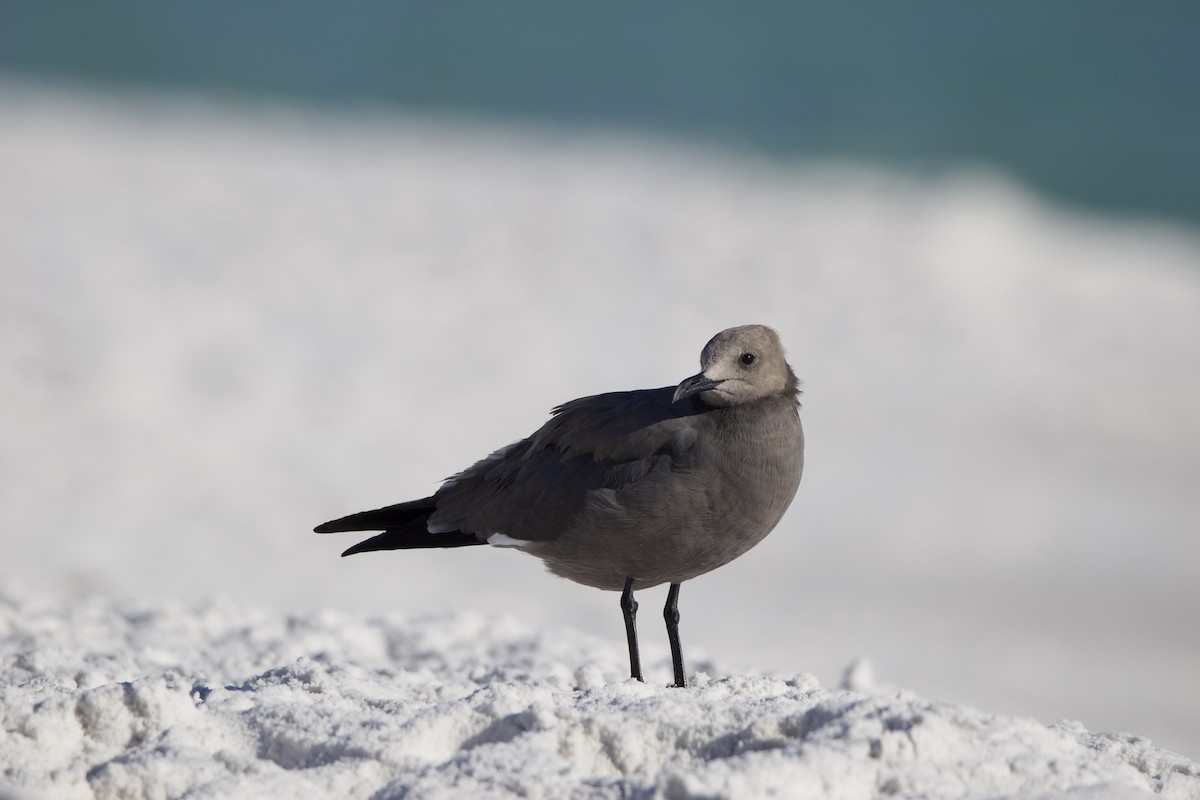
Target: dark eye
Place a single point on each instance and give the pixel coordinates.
(748, 359)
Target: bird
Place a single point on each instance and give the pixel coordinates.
(627, 490)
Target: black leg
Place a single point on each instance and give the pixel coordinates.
(629, 609)
(671, 615)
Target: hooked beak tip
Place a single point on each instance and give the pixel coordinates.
(693, 386)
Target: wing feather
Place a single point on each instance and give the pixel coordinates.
(534, 489)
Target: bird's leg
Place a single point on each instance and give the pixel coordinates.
(629, 608)
(671, 615)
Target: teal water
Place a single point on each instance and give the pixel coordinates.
(1090, 101)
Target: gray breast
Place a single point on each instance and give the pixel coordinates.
(693, 509)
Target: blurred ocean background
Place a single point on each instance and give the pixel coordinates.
(1089, 101)
(266, 264)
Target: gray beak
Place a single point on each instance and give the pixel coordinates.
(694, 385)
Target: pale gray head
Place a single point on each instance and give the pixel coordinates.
(740, 365)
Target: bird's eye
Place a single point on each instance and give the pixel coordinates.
(748, 359)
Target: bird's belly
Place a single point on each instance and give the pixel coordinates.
(659, 537)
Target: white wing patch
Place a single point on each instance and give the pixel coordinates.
(504, 540)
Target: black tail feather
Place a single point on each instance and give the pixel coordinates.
(412, 537)
(403, 526)
(379, 519)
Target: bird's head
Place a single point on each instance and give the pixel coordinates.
(740, 365)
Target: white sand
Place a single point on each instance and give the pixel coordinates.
(219, 327)
(216, 701)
